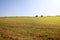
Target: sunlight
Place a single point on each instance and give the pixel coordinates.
(56, 2)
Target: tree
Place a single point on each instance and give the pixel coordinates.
(36, 16)
(41, 15)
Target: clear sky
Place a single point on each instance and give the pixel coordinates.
(29, 7)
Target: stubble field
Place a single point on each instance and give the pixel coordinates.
(29, 28)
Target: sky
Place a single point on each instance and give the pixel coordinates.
(29, 7)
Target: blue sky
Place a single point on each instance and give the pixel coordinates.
(29, 7)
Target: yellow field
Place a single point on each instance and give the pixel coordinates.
(29, 28)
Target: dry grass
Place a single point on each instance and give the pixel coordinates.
(30, 28)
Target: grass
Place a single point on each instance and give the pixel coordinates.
(29, 28)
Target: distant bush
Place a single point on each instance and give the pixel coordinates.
(48, 16)
(41, 15)
(36, 16)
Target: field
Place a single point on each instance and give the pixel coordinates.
(29, 28)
